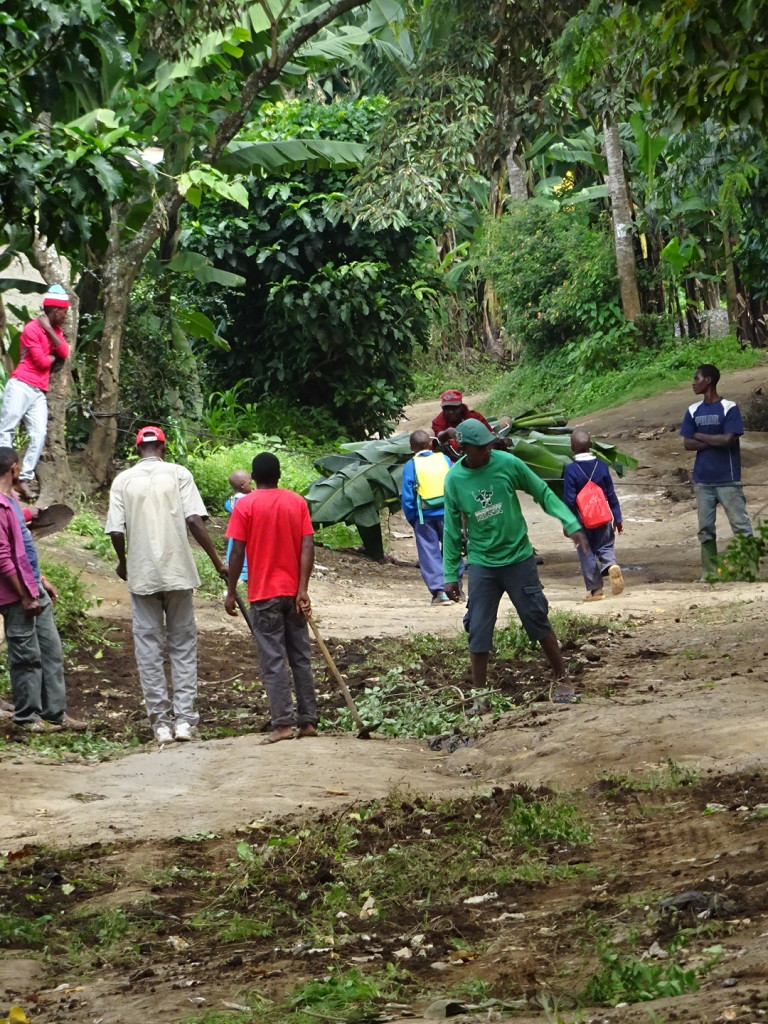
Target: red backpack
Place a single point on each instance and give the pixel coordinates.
(594, 510)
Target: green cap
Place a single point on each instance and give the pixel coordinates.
(474, 432)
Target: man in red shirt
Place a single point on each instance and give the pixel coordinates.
(43, 348)
(445, 423)
(272, 529)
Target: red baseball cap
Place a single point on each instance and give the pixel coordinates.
(150, 434)
(451, 398)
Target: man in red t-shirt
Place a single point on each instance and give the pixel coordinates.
(43, 348)
(272, 529)
(445, 423)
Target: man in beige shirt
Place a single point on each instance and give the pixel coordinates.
(152, 505)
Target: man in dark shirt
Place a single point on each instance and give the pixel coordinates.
(712, 428)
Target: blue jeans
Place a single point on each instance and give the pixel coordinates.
(600, 556)
(731, 497)
(429, 548)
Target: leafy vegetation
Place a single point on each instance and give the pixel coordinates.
(71, 610)
(405, 705)
(744, 557)
(625, 979)
(554, 380)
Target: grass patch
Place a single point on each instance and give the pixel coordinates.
(670, 775)
(551, 380)
(87, 524)
(470, 372)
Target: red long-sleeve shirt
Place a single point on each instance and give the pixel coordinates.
(37, 355)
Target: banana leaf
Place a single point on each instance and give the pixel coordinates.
(364, 477)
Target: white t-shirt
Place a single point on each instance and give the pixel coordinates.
(150, 503)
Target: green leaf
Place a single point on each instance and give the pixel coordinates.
(21, 285)
(187, 262)
(290, 155)
(211, 275)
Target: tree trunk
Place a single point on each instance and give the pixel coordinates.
(622, 221)
(692, 318)
(516, 175)
(118, 274)
(53, 470)
(731, 288)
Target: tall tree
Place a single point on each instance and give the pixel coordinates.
(98, 185)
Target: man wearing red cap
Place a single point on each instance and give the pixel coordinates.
(43, 348)
(445, 423)
(151, 507)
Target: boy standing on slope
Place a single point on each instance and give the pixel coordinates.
(712, 427)
(599, 561)
(482, 486)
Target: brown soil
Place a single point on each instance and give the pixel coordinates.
(685, 682)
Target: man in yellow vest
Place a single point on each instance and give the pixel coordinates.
(421, 498)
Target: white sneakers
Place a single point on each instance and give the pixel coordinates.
(183, 732)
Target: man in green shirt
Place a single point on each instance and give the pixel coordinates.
(482, 487)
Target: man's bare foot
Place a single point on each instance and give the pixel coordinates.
(564, 692)
(25, 491)
(283, 733)
(306, 730)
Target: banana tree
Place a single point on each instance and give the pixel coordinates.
(364, 478)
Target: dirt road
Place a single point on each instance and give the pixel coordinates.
(679, 693)
(353, 597)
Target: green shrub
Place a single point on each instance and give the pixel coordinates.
(212, 469)
(70, 611)
(229, 416)
(554, 276)
(625, 979)
(87, 524)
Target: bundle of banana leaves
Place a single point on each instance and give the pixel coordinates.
(363, 478)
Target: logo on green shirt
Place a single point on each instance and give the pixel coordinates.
(487, 509)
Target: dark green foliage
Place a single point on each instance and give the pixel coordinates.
(744, 557)
(555, 277)
(330, 311)
(625, 979)
(71, 609)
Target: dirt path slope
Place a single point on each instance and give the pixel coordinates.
(675, 708)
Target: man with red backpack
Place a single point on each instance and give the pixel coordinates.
(589, 493)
